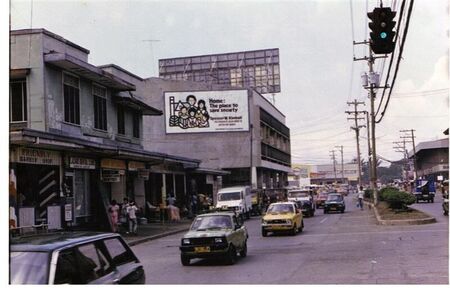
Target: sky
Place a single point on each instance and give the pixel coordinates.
(318, 74)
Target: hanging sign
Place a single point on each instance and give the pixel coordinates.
(143, 174)
(82, 163)
(135, 165)
(110, 176)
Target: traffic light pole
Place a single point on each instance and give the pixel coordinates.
(372, 126)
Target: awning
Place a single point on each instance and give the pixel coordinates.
(18, 73)
(209, 171)
(87, 71)
(128, 99)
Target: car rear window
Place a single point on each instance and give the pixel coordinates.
(29, 267)
(118, 252)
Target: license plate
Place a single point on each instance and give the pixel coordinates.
(425, 195)
(332, 208)
(202, 249)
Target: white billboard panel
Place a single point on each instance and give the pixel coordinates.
(206, 111)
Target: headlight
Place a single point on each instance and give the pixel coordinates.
(218, 240)
(186, 241)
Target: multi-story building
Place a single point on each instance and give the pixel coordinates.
(76, 136)
(242, 132)
(329, 174)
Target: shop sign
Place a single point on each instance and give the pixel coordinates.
(82, 163)
(108, 163)
(110, 176)
(37, 156)
(143, 174)
(68, 212)
(135, 165)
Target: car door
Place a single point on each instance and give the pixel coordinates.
(129, 268)
(239, 234)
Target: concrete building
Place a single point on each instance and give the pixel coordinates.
(256, 151)
(432, 159)
(325, 174)
(76, 136)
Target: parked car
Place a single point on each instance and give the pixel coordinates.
(334, 202)
(282, 216)
(73, 258)
(320, 199)
(215, 235)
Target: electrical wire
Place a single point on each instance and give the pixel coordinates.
(405, 33)
(392, 56)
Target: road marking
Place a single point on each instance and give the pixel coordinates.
(323, 220)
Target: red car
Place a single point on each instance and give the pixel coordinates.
(320, 199)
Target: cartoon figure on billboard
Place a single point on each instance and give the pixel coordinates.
(189, 114)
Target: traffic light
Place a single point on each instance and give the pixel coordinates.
(382, 26)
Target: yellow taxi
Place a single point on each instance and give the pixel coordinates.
(282, 217)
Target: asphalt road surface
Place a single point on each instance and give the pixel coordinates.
(335, 248)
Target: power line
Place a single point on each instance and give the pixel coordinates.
(398, 61)
(392, 56)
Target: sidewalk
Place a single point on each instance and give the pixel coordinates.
(155, 230)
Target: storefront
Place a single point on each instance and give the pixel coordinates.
(79, 176)
(37, 192)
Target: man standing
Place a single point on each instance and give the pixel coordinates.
(360, 197)
(132, 218)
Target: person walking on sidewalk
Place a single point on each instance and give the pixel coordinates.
(114, 215)
(132, 218)
(360, 197)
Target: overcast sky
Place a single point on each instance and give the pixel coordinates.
(318, 75)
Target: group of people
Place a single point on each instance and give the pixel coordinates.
(124, 214)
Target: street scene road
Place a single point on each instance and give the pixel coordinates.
(335, 248)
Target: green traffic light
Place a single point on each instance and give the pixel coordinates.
(383, 35)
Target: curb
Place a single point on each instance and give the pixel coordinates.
(156, 236)
(401, 222)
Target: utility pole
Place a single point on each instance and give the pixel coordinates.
(356, 129)
(409, 134)
(341, 148)
(401, 147)
(333, 157)
(369, 161)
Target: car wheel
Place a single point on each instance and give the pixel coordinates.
(325, 211)
(264, 232)
(342, 211)
(432, 200)
(185, 260)
(243, 252)
(294, 230)
(301, 227)
(231, 256)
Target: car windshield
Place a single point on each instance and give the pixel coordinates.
(334, 197)
(211, 222)
(29, 267)
(280, 208)
(229, 196)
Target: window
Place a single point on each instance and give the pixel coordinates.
(119, 254)
(71, 99)
(18, 100)
(92, 262)
(120, 120)
(99, 107)
(136, 131)
(67, 271)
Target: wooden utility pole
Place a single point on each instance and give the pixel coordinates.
(341, 148)
(409, 134)
(333, 157)
(356, 128)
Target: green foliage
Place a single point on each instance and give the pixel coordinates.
(368, 194)
(387, 191)
(399, 199)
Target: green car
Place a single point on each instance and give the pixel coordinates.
(215, 235)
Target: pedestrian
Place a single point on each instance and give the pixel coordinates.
(124, 214)
(194, 202)
(132, 218)
(360, 197)
(171, 199)
(114, 215)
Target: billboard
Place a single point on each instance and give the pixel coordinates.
(206, 111)
(257, 69)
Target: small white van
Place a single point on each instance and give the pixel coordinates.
(238, 199)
